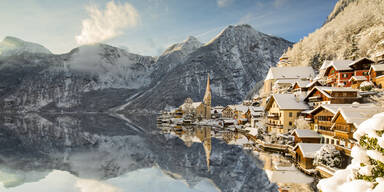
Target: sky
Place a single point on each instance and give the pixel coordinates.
(148, 27)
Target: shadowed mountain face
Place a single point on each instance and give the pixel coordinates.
(104, 147)
(98, 78)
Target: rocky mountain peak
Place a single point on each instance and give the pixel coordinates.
(187, 46)
(15, 46)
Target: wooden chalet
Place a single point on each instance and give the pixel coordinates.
(338, 73)
(376, 75)
(229, 111)
(331, 95)
(306, 136)
(346, 121)
(300, 85)
(305, 153)
(361, 67)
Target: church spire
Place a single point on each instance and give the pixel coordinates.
(208, 96)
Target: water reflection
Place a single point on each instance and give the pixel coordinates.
(120, 153)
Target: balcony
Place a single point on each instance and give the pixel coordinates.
(326, 132)
(343, 134)
(274, 116)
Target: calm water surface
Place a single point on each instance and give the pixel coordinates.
(106, 153)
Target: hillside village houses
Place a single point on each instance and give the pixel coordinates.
(309, 110)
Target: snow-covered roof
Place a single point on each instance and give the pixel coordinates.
(360, 60)
(329, 107)
(290, 72)
(289, 101)
(285, 81)
(341, 65)
(242, 108)
(254, 113)
(379, 67)
(312, 83)
(302, 83)
(306, 133)
(358, 78)
(325, 64)
(309, 149)
(326, 90)
(338, 89)
(356, 113)
(257, 108)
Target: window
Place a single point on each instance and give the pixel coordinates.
(365, 73)
(290, 114)
(290, 123)
(344, 75)
(298, 114)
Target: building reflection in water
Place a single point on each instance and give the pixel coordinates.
(190, 134)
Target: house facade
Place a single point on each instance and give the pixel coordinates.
(376, 75)
(282, 111)
(331, 95)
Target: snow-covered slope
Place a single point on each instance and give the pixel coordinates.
(14, 46)
(236, 60)
(174, 56)
(99, 77)
(354, 29)
(114, 67)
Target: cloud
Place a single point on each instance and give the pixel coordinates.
(224, 3)
(103, 25)
(279, 3)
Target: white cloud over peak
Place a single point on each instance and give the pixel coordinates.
(106, 24)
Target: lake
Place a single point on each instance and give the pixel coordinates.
(121, 153)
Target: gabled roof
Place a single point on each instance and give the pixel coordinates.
(363, 60)
(329, 107)
(312, 83)
(379, 67)
(339, 65)
(301, 83)
(285, 81)
(232, 107)
(286, 102)
(241, 108)
(306, 133)
(356, 113)
(257, 109)
(290, 72)
(326, 90)
(309, 149)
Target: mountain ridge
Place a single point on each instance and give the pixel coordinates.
(100, 77)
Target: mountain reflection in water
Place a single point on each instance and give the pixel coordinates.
(99, 152)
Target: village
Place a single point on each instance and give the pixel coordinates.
(307, 117)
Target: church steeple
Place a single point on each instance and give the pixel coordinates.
(207, 95)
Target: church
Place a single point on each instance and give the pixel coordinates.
(199, 109)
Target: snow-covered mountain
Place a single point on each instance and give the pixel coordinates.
(353, 29)
(236, 60)
(100, 77)
(14, 46)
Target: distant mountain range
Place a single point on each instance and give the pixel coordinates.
(100, 77)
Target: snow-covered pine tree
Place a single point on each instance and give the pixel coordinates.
(328, 155)
(366, 172)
